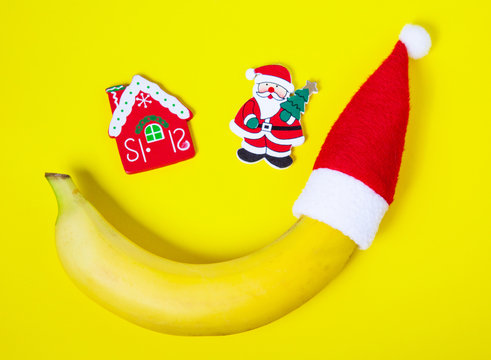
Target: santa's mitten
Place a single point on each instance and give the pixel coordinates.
(285, 115)
(252, 123)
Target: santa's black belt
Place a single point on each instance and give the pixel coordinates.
(269, 127)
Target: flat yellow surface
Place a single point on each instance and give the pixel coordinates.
(422, 291)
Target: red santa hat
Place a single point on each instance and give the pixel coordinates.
(355, 174)
(276, 74)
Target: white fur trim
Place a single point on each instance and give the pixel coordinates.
(260, 78)
(291, 120)
(343, 202)
(250, 73)
(278, 154)
(248, 117)
(416, 39)
(254, 149)
(138, 83)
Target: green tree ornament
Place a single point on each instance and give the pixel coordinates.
(295, 105)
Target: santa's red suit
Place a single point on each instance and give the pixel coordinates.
(273, 136)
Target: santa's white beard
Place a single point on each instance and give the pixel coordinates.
(267, 107)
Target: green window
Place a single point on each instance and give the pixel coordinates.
(153, 132)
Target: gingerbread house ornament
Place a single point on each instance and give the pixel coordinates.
(149, 125)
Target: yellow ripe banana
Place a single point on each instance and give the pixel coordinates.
(193, 299)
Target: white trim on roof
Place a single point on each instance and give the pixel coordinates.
(138, 83)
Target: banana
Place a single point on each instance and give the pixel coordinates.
(192, 299)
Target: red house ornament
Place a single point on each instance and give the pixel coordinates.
(149, 125)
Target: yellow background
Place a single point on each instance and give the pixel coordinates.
(422, 291)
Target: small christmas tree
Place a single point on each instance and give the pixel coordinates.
(295, 105)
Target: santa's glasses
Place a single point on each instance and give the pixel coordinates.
(272, 88)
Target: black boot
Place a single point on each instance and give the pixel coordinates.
(279, 162)
(248, 157)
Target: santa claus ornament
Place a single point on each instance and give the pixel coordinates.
(269, 122)
(149, 125)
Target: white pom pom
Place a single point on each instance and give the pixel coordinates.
(250, 74)
(416, 39)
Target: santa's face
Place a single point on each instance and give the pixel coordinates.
(269, 97)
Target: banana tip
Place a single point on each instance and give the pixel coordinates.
(49, 175)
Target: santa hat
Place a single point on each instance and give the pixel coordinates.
(355, 174)
(276, 74)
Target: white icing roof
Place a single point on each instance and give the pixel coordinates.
(123, 110)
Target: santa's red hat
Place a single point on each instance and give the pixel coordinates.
(355, 174)
(271, 73)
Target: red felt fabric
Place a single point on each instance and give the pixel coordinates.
(367, 140)
(275, 70)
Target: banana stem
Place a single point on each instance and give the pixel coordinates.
(64, 189)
